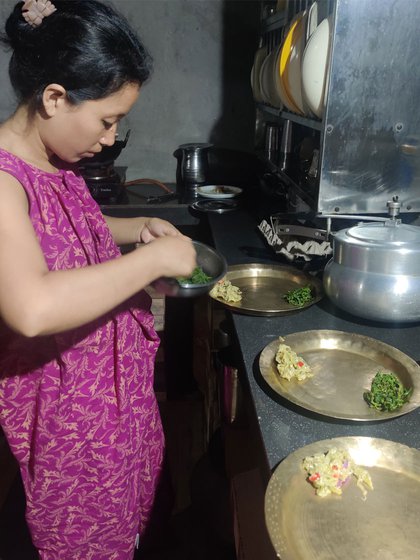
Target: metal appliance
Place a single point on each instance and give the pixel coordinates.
(105, 183)
(104, 180)
(375, 269)
(366, 145)
(192, 170)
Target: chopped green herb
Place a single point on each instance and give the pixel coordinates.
(198, 276)
(300, 296)
(387, 393)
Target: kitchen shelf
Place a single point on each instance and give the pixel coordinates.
(303, 192)
(361, 142)
(274, 22)
(281, 114)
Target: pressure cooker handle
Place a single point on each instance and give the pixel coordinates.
(302, 231)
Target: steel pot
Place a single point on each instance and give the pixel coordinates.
(192, 170)
(375, 271)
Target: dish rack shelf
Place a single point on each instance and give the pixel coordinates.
(365, 150)
(282, 114)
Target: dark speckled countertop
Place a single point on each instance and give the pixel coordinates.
(284, 427)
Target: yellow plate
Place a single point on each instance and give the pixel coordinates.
(344, 365)
(284, 60)
(303, 526)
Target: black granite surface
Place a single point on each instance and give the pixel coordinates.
(285, 427)
(137, 205)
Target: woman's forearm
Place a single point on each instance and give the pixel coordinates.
(66, 299)
(125, 230)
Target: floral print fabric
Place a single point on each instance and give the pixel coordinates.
(78, 408)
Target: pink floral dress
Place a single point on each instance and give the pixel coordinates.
(78, 408)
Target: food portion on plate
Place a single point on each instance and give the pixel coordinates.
(226, 291)
(329, 472)
(290, 365)
(299, 296)
(387, 393)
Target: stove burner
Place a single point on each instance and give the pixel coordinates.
(105, 183)
(100, 171)
(98, 178)
(218, 206)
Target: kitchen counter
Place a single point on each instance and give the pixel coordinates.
(137, 205)
(275, 428)
(285, 427)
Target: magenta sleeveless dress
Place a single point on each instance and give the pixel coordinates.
(78, 408)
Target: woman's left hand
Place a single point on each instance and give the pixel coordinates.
(156, 227)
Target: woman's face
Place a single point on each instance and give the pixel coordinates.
(75, 132)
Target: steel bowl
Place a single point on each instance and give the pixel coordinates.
(212, 263)
(375, 272)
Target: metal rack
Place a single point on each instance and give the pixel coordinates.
(369, 137)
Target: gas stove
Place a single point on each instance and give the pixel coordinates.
(105, 182)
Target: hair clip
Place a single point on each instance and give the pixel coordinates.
(34, 11)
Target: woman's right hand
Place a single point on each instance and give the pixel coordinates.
(173, 255)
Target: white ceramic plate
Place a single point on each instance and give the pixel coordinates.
(315, 69)
(255, 73)
(218, 191)
(267, 81)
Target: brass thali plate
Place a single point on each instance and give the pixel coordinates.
(263, 288)
(344, 365)
(304, 526)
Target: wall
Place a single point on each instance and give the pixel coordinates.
(200, 90)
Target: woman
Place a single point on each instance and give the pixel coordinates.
(77, 342)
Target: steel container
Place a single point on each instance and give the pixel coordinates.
(211, 261)
(375, 271)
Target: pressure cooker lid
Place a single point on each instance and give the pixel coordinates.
(385, 234)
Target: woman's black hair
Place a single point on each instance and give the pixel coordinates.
(85, 45)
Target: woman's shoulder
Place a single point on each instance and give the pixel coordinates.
(12, 163)
(40, 182)
(15, 164)
(8, 158)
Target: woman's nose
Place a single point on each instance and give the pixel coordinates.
(108, 139)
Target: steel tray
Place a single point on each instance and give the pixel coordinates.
(344, 365)
(264, 287)
(304, 526)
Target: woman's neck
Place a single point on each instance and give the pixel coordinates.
(19, 135)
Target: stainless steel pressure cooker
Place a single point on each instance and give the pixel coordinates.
(375, 271)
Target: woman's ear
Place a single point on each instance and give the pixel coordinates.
(53, 98)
